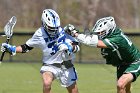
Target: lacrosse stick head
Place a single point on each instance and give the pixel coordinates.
(8, 29)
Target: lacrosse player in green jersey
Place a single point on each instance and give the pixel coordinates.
(116, 48)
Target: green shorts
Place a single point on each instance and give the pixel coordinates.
(133, 68)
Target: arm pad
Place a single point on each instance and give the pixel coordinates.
(26, 48)
(91, 40)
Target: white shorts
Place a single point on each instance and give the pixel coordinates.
(66, 76)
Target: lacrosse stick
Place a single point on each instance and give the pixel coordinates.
(8, 30)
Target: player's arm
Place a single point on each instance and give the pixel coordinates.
(23, 48)
(91, 40)
(101, 44)
(13, 49)
(19, 49)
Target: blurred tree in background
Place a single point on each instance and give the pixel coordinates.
(82, 13)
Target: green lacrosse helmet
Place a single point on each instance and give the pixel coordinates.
(104, 26)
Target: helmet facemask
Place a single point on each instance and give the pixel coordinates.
(52, 31)
(101, 34)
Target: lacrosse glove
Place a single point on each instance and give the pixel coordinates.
(64, 46)
(8, 48)
(70, 29)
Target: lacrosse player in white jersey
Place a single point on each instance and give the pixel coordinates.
(58, 52)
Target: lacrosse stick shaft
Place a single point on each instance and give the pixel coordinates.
(2, 56)
(7, 41)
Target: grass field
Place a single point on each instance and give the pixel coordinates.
(25, 78)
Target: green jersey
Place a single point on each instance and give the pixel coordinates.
(120, 49)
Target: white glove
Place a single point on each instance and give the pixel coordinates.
(66, 48)
(3, 49)
(71, 30)
(62, 47)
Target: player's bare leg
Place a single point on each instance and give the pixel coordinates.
(73, 88)
(128, 87)
(47, 81)
(124, 83)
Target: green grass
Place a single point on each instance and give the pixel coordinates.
(25, 78)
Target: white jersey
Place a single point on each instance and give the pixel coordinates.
(41, 40)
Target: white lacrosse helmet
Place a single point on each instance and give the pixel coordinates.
(50, 21)
(104, 26)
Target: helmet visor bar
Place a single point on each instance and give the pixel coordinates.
(101, 34)
(51, 29)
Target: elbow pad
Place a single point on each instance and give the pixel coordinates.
(26, 48)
